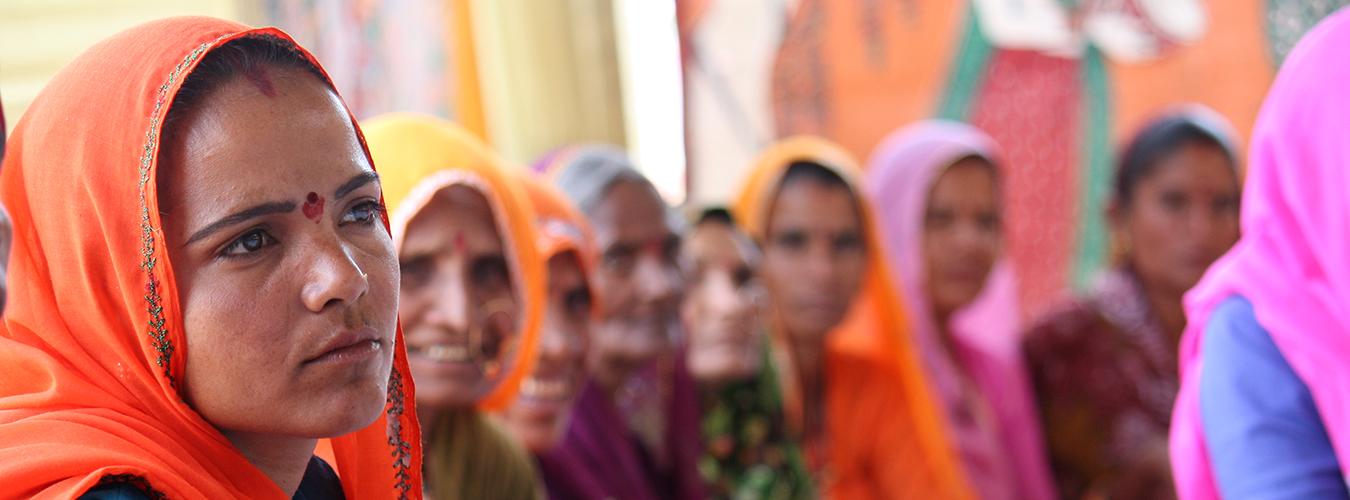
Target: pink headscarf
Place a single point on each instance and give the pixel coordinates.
(1291, 262)
(901, 175)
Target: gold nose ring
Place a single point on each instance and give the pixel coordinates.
(491, 364)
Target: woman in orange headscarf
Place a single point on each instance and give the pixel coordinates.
(188, 321)
(854, 390)
(471, 299)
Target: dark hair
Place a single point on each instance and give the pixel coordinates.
(822, 176)
(804, 170)
(237, 58)
(1157, 141)
(715, 215)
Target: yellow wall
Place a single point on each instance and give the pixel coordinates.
(549, 74)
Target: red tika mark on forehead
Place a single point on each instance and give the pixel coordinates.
(258, 77)
(460, 242)
(313, 208)
(657, 247)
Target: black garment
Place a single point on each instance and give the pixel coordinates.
(319, 483)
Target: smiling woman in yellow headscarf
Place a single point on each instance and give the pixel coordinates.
(854, 389)
(470, 300)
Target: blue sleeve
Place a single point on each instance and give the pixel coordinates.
(1265, 437)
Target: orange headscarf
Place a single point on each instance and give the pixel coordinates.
(562, 228)
(421, 156)
(93, 340)
(873, 373)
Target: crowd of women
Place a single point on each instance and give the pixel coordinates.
(222, 284)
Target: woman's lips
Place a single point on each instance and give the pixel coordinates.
(349, 346)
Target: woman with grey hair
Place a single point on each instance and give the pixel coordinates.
(634, 431)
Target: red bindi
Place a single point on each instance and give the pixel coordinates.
(313, 208)
(258, 77)
(460, 243)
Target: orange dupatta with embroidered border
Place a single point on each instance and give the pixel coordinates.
(884, 433)
(93, 336)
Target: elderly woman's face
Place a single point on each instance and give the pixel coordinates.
(638, 280)
(459, 308)
(285, 272)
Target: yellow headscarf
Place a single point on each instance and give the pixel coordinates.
(875, 328)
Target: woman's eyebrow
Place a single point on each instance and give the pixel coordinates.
(253, 212)
(355, 182)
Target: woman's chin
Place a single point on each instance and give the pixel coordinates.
(345, 414)
(539, 432)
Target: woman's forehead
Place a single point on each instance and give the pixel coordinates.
(241, 134)
(810, 203)
(633, 209)
(458, 215)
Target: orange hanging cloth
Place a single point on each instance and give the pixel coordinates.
(93, 334)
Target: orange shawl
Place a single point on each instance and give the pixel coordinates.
(561, 226)
(93, 335)
(884, 431)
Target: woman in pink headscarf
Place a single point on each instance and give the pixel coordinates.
(1264, 407)
(935, 186)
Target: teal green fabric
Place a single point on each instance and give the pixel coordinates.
(1095, 170)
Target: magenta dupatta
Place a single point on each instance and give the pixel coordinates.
(1293, 261)
(1005, 456)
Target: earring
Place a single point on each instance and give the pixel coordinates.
(492, 362)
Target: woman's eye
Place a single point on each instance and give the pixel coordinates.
(939, 219)
(1174, 201)
(848, 242)
(250, 242)
(415, 271)
(578, 302)
(491, 272)
(791, 240)
(990, 222)
(620, 260)
(364, 213)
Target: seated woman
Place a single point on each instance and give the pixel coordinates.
(935, 188)
(541, 412)
(747, 450)
(855, 393)
(1265, 391)
(634, 433)
(209, 286)
(1104, 365)
(470, 300)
